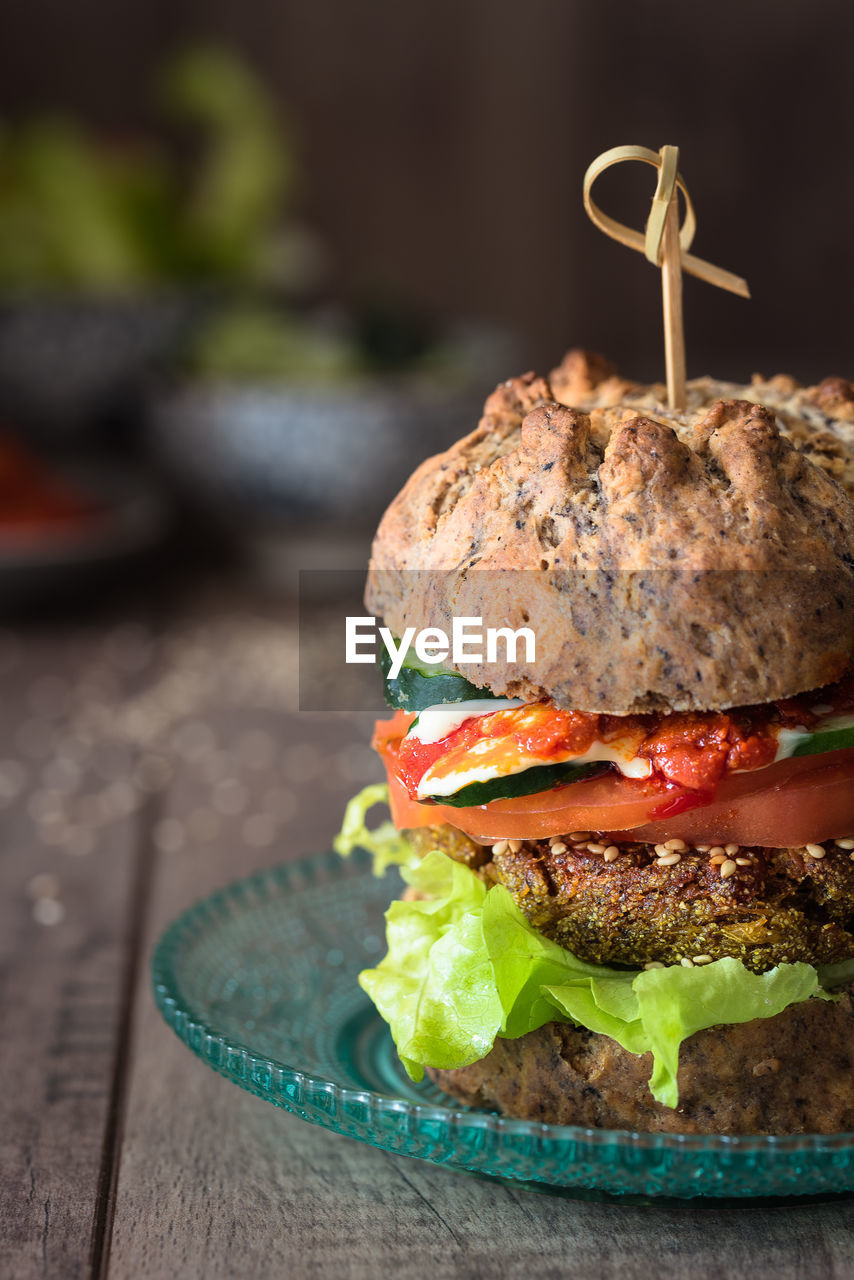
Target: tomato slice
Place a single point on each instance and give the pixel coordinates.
(798, 802)
(789, 804)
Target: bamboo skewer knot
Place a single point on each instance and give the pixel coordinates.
(649, 242)
(665, 244)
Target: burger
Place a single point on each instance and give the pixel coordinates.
(629, 857)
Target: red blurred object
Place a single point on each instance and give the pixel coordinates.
(36, 501)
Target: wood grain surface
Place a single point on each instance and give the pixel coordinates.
(63, 1003)
(125, 1156)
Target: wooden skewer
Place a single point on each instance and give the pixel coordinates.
(671, 296)
(664, 245)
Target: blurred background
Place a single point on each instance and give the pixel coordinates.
(256, 259)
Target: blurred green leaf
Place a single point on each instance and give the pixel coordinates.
(258, 343)
(75, 214)
(64, 210)
(245, 172)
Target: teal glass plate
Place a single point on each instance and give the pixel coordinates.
(259, 980)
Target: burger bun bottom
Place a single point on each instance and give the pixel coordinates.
(788, 1074)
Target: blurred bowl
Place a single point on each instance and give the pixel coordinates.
(66, 362)
(337, 451)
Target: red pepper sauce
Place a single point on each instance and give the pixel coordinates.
(694, 750)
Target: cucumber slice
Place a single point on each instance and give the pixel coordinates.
(420, 685)
(540, 778)
(836, 737)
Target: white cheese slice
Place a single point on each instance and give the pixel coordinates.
(788, 741)
(435, 723)
(600, 752)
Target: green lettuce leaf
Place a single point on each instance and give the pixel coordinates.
(464, 966)
(676, 1002)
(435, 987)
(832, 976)
(388, 846)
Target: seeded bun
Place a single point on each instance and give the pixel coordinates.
(788, 1074)
(666, 562)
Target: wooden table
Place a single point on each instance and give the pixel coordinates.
(143, 762)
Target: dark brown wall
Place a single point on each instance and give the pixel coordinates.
(444, 146)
